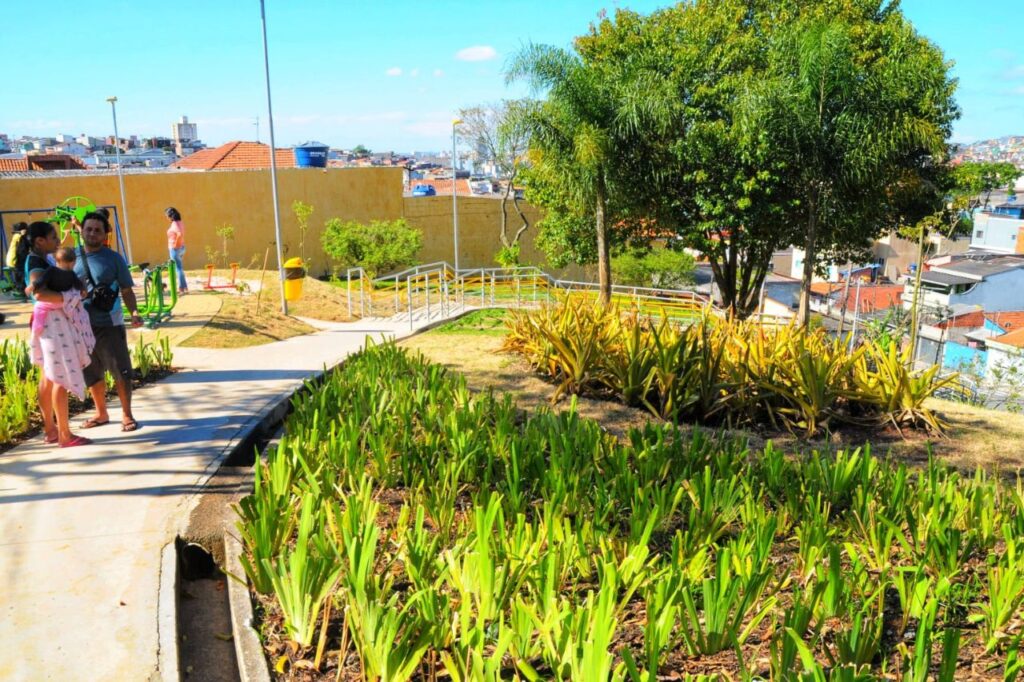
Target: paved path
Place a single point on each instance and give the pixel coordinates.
(81, 529)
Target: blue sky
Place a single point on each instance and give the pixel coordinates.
(389, 74)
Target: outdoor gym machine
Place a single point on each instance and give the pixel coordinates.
(155, 307)
(61, 215)
(209, 285)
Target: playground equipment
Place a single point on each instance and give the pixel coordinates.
(155, 307)
(209, 285)
(73, 207)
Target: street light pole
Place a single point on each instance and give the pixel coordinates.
(455, 193)
(120, 179)
(273, 163)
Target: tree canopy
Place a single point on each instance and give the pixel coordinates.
(745, 126)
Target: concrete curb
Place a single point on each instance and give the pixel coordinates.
(167, 615)
(252, 662)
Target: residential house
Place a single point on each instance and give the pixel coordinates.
(863, 298)
(1006, 353)
(1000, 230)
(22, 163)
(236, 156)
(965, 338)
(989, 281)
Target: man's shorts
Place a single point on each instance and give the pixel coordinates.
(109, 355)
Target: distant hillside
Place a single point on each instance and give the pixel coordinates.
(1009, 148)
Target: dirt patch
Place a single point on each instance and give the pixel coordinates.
(240, 324)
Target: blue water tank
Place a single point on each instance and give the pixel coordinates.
(311, 155)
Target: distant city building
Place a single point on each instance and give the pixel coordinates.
(68, 147)
(89, 141)
(1009, 149)
(185, 136)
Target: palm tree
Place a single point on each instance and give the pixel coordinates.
(575, 137)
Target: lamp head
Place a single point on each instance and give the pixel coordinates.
(111, 99)
(456, 121)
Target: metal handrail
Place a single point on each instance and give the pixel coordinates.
(431, 287)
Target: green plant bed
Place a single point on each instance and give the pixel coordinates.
(405, 527)
(19, 380)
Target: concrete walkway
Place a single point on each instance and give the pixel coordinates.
(81, 529)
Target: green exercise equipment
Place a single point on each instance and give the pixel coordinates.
(73, 208)
(158, 298)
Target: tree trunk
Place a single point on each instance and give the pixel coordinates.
(803, 316)
(515, 205)
(846, 296)
(916, 301)
(504, 216)
(604, 265)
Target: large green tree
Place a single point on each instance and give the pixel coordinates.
(776, 123)
(854, 99)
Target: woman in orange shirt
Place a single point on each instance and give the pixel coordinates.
(176, 245)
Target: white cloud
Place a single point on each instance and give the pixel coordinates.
(394, 71)
(438, 73)
(435, 125)
(476, 53)
(1014, 72)
(414, 72)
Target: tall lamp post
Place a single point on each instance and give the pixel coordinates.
(455, 194)
(120, 179)
(273, 164)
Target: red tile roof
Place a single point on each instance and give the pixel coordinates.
(1006, 320)
(42, 162)
(444, 186)
(1010, 320)
(873, 297)
(1014, 338)
(237, 155)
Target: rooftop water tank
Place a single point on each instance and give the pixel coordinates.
(311, 155)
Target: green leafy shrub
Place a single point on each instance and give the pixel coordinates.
(378, 246)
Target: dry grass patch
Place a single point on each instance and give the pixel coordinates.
(976, 436)
(239, 324)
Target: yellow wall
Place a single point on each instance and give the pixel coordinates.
(479, 229)
(208, 200)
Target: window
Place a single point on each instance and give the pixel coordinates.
(979, 234)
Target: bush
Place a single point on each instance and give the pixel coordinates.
(662, 268)
(377, 247)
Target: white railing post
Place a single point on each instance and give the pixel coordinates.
(408, 282)
(518, 282)
(426, 292)
(492, 288)
(348, 287)
(396, 295)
